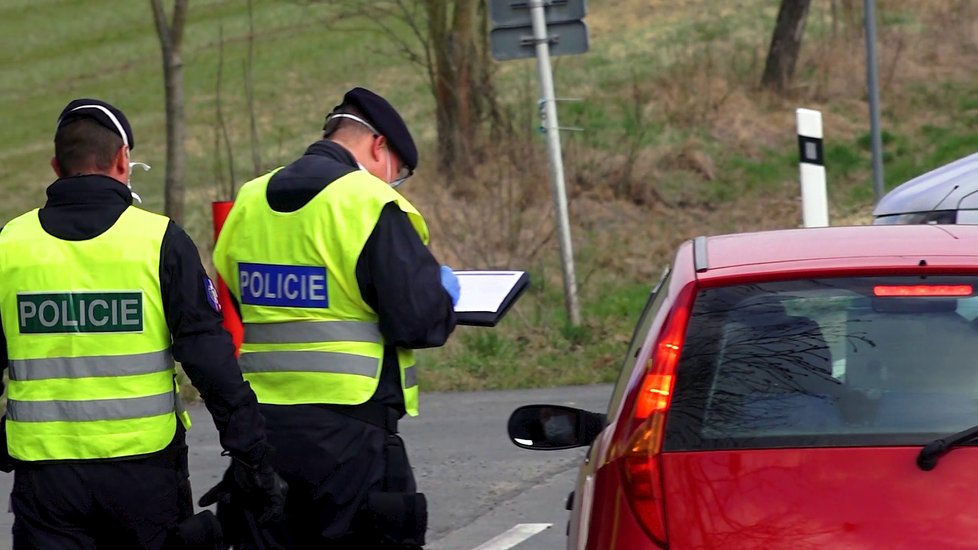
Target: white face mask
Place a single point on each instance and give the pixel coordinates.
(394, 183)
(132, 165)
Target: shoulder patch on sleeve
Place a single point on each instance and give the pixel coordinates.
(211, 292)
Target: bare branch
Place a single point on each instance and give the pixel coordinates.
(162, 27)
(170, 36)
(414, 23)
(448, 38)
(412, 20)
(220, 112)
(179, 18)
(250, 93)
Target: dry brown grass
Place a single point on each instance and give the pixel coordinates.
(631, 203)
(691, 102)
(668, 114)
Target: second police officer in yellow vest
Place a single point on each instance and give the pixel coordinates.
(98, 299)
(336, 287)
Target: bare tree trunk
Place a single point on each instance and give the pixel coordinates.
(457, 76)
(171, 38)
(785, 44)
(449, 39)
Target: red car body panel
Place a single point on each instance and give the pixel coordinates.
(852, 497)
(863, 497)
(612, 524)
(839, 249)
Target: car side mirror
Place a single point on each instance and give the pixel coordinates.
(553, 427)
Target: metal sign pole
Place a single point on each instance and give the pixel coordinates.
(872, 80)
(551, 129)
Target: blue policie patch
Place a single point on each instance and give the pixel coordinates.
(283, 285)
(211, 292)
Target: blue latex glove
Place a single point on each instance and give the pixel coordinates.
(450, 282)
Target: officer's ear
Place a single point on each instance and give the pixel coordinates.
(377, 146)
(120, 166)
(57, 167)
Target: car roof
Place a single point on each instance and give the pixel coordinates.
(836, 249)
(953, 186)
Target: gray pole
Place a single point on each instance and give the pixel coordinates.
(552, 130)
(872, 81)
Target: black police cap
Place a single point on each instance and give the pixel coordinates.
(387, 121)
(101, 112)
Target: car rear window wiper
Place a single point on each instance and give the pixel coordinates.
(934, 450)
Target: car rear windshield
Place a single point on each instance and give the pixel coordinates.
(828, 362)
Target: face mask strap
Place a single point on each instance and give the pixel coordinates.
(356, 118)
(397, 182)
(145, 168)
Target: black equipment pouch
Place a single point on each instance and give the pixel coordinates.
(198, 532)
(398, 514)
(396, 467)
(399, 518)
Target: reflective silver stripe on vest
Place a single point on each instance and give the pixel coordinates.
(310, 332)
(96, 409)
(85, 367)
(410, 377)
(309, 361)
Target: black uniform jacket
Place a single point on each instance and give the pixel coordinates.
(332, 461)
(83, 207)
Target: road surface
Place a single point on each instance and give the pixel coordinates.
(484, 493)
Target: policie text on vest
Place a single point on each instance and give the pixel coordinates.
(283, 285)
(67, 311)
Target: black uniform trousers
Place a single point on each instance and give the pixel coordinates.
(334, 465)
(130, 504)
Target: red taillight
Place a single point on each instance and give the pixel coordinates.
(643, 479)
(922, 290)
(654, 394)
(642, 441)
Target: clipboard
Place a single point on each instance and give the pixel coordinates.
(486, 296)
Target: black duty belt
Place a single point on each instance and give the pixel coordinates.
(375, 414)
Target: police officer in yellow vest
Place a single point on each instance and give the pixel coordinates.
(336, 286)
(97, 299)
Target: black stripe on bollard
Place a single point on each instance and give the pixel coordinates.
(810, 150)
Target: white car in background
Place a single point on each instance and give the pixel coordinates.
(948, 194)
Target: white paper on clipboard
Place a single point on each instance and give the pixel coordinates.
(486, 290)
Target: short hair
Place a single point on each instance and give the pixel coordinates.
(339, 126)
(85, 146)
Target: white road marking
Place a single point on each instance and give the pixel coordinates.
(519, 533)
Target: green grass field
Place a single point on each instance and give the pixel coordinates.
(677, 138)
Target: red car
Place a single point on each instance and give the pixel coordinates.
(804, 388)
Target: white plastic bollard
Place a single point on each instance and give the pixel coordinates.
(814, 200)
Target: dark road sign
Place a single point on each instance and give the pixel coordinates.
(568, 38)
(516, 13)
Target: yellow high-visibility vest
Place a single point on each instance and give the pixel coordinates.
(309, 337)
(91, 375)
